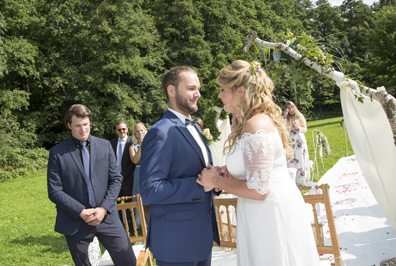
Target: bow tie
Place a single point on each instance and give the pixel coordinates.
(189, 121)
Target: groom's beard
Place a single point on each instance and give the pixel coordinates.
(182, 104)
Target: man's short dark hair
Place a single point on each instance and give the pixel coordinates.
(77, 110)
(173, 77)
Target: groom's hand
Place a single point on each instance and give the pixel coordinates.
(207, 178)
(201, 182)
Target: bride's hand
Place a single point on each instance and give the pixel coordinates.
(224, 172)
(219, 170)
(208, 177)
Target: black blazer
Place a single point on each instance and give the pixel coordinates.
(127, 167)
(67, 187)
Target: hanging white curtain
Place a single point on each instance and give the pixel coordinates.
(217, 147)
(372, 141)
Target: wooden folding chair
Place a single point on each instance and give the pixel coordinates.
(324, 198)
(144, 255)
(135, 206)
(226, 210)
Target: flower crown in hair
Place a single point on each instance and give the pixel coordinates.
(255, 67)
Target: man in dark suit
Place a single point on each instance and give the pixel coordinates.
(121, 147)
(121, 150)
(182, 224)
(84, 182)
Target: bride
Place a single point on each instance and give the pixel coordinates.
(272, 225)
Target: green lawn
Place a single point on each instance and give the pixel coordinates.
(27, 216)
(337, 138)
(27, 219)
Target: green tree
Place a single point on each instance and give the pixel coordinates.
(327, 25)
(357, 18)
(18, 152)
(111, 56)
(382, 46)
(104, 55)
(2, 54)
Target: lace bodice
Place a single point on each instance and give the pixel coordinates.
(255, 157)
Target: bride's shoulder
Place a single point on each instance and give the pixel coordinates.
(259, 123)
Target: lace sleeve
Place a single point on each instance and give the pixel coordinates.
(258, 156)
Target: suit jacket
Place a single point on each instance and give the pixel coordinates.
(182, 223)
(127, 167)
(67, 187)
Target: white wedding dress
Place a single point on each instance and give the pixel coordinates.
(276, 231)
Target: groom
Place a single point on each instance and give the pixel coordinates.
(182, 223)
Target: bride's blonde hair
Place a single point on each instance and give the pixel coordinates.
(257, 99)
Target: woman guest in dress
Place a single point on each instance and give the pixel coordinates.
(139, 131)
(273, 227)
(297, 126)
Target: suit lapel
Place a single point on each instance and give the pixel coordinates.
(186, 133)
(92, 157)
(75, 155)
(205, 142)
(207, 147)
(114, 143)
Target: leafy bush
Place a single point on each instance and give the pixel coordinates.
(20, 162)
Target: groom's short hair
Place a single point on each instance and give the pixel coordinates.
(172, 77)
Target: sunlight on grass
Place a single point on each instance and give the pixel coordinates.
(337, 138)
(27, 225)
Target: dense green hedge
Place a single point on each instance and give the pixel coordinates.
(20, 162)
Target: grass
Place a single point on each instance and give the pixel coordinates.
(27, 216)
(27, 220)
(337, 138)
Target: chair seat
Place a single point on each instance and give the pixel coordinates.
(106, 260)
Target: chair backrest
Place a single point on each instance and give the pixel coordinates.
(324, 198)
(226, 211)
(134, 206)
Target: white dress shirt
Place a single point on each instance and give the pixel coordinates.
(123, 142)
(196, 135)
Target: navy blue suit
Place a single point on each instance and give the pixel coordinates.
(182, 223)
(68, 190)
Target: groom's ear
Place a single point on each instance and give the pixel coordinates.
(171, 91)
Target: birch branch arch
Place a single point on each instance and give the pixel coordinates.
(387, 101)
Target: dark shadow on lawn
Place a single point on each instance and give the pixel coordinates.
(48, 243)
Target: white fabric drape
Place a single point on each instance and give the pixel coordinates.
(217, 147)
(372, 141)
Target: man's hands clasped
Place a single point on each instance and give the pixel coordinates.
(93, 216)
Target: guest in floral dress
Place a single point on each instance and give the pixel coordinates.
(297, 126)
